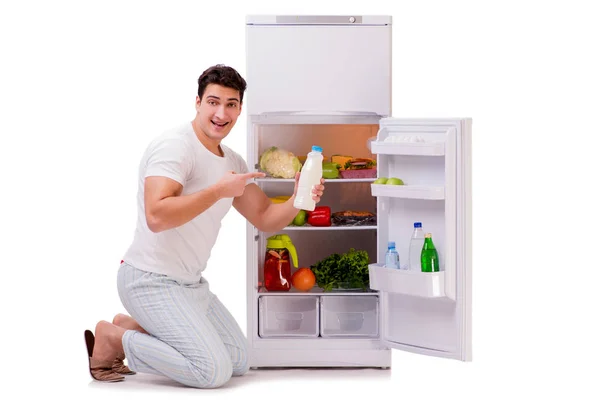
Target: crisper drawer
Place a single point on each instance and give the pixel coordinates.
(349, 316)
(288, 316)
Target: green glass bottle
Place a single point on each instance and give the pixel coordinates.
(429, 256)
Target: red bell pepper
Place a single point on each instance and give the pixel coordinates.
(321, 216)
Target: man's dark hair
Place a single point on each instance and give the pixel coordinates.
(224, 76)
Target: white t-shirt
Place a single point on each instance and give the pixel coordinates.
(181, 252)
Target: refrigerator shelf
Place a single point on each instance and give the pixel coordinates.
(412, 283)
(330, 228)
(409, 149)
(317, 291)
(339, 180)
(408, 191)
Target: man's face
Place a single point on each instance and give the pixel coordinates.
(218, 110)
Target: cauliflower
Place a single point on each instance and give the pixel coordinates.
(279, 163)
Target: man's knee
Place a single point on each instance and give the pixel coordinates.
(241, 363)
(212, 371)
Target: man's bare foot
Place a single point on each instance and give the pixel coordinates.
(108, 341)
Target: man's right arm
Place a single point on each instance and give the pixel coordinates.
(166, 208)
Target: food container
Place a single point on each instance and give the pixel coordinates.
(277, 269)
(281, 316)
(359, 173)
(349, 316)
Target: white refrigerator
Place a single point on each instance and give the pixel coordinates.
(326, 81)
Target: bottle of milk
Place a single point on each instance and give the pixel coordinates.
(311, 174)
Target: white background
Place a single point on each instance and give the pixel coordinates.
(85, 85)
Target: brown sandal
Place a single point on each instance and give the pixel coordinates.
(121, 368)
(99, 370)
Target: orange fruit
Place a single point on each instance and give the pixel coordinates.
(303, 279)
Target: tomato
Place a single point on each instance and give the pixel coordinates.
(303, 279)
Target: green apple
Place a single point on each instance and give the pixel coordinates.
(300, 218)
(394, 181)
(381, 181)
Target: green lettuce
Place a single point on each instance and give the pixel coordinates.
(343, 271)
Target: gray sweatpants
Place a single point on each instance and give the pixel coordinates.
(192, 338)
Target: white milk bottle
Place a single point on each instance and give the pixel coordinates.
(311, 174)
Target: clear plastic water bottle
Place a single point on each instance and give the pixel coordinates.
(392, 259)
(414, 248)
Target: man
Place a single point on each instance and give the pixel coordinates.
(188, 181)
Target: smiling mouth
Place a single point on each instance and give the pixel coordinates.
(219, 125)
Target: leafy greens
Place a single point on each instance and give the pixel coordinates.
(343, 271)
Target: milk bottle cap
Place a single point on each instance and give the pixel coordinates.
(317, 148)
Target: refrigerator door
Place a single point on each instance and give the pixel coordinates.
(339, 65)
(426, 313)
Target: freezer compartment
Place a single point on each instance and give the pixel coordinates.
(349, 316)
(319, 68)
(281, 316)
(413, 283)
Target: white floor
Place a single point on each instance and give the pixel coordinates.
(280, 384)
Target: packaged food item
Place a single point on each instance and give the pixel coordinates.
(340, 159)
(352, 218)
(360, 163)
(359, 173)
(359, 168)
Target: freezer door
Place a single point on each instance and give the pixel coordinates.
(319, 64)
(427, 313)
